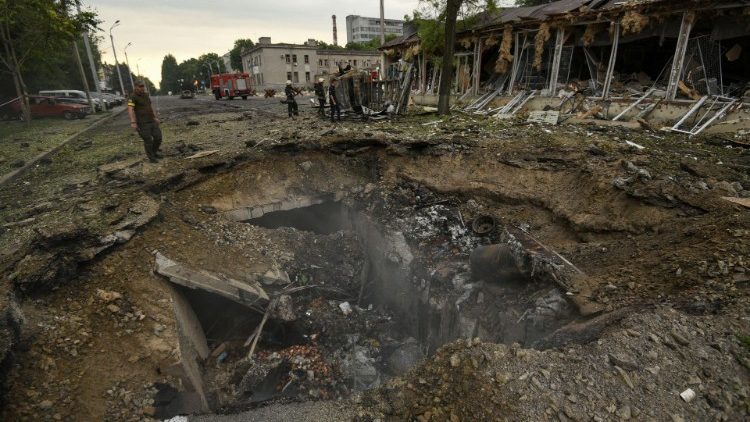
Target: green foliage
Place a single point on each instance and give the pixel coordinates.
(325, 46)
(169, 74)
(37, 38)
(744, 340)
(235, 54)
(371, 45)
(430, 21)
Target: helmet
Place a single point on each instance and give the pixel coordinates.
(288, 82)
(321, 80)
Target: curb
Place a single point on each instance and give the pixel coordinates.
(4, 179)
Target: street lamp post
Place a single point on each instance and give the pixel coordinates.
(138, 67)
(112, 39)
(130, 71)
(209, 69)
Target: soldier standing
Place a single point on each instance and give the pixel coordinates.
(320, 92)
(335, 107)
(144, 121)
(291, 103)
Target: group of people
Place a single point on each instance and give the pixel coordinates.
(320, 92)
(145, 121)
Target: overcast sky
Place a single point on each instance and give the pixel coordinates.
(189, 28)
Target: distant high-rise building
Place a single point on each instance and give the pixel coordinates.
(361, 29)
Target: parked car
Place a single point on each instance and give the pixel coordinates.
(106, 102)
(50, 107)
(71, 95)
(186, 94)
(117, 99)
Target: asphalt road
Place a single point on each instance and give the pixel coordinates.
(173, 107)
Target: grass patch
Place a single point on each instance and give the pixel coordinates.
(745, 341)
(20, 142)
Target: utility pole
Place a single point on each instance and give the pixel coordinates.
(382, 39)
(83, 77)
(130, 71)
(92, 65)
(112, 39)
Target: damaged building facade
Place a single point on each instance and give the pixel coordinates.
(682, 64)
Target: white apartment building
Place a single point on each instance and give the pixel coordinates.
(271, 65)
(360, 29)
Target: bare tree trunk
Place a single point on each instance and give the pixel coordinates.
(444, 94)
(11, 62)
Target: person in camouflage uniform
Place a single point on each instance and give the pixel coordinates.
(144, 121)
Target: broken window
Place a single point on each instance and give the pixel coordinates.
(307, 59)
(288, 58)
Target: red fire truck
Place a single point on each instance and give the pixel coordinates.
(230, 85)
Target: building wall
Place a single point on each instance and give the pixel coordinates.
(271, 65)
(363, 29)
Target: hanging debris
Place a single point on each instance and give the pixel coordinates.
(589, 35)
(541, 38)
(505, 57)
(633, 22)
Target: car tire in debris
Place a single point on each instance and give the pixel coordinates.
(69, 115)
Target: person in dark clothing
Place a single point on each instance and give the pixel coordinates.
(335, 107)
(320, 92)
(291, 103)
(144, 121)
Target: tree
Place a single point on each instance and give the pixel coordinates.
(169, 74)
(53, 30)
(444, 90)
(235, 54)
(437, 23)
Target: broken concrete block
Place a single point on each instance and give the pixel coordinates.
(268, 208)
(245, 292)
(275, 276)
(240, 214)
(549, 117)
(256, 212)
